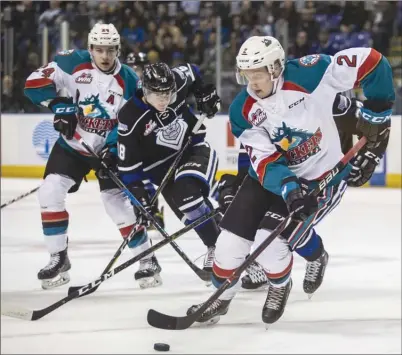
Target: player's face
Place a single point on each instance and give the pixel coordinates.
(259, 80)
(104, 56)
(160, 101)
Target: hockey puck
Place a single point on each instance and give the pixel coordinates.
(161, 347)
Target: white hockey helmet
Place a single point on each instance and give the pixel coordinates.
(258, 52)
(103, 34)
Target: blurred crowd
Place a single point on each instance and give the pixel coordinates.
(186, 31)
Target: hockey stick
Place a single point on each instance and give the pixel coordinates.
(20, 197)
(200, 273)
(164, 321)
(25, 314)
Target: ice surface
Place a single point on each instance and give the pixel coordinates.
(357, 309)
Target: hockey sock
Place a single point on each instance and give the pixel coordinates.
(313, 248)
(55, 225)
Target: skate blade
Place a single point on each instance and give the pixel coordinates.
(310, 295)
(60, 280)
(209, 322)
(267, 326)
(148, 282)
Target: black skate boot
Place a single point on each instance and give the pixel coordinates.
(255, 278)
(55, 273)
(148, 274)
(314, 276)
(213, 313)
(275, 303)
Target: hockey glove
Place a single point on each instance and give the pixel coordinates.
(208, 101)
(108, 156)
(375, 117)
(65, 119)
(141, 194)
(297, 200)
(227, 188)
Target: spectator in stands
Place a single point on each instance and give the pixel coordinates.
(384, 16)
(10, 99)
(195, 49)
(301, 47)
(308, 24)
(133, 33)
(153, 57)
(355, 14)
(324, 44)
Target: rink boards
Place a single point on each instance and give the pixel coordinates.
(27, 139)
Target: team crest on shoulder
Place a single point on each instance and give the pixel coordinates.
(309, 60)
(67, 52)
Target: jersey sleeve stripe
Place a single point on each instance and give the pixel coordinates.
(288, 85)
(261, 169)
(82, 66)
(120, 81)
(368, 65)
(38, 83)
(248, 104)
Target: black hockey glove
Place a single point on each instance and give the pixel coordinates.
(141, 194)
(208, 101)
(374, 123)
(108, 156)
(374, 118)
(65, 119)
(295, 195)
(226, 191)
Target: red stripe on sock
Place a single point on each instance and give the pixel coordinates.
(125, 231)
(283, 273)
(222, 273)
(54, 216)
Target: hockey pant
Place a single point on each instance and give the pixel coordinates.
(187, 194)
(251, 218)
(64, 173)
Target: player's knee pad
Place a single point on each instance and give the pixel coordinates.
(188, 196)
(53, 191)
(231, 250)
(276, 258)
(119, 209)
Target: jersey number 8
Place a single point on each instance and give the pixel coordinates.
(121, 149)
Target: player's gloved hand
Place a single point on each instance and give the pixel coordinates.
(108, 156)
(374, 120)
(65, 119)
(141, 194)
(297, 200)
(208, 101)
(226, 190)
(363, 166)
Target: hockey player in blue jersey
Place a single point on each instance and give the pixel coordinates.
(97, 86)
(284, 120)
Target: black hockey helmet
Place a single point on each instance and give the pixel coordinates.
(159, 85)
(139, 59)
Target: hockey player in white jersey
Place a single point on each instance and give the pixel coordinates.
(284, 120)
(98, 85)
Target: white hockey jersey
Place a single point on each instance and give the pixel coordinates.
(292, 133)
(99, 96)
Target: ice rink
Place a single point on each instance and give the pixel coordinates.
(357, 309)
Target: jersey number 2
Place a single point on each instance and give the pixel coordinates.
(345, 59)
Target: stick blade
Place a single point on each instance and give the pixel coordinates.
(164, 321)
(16, 312)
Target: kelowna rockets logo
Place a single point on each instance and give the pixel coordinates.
(297, 145)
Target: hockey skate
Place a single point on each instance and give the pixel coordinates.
(314, 276)
(255, 278)
(213, 313)
(275, 303)
(148, 274)
(159, 217)
(55, 273)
